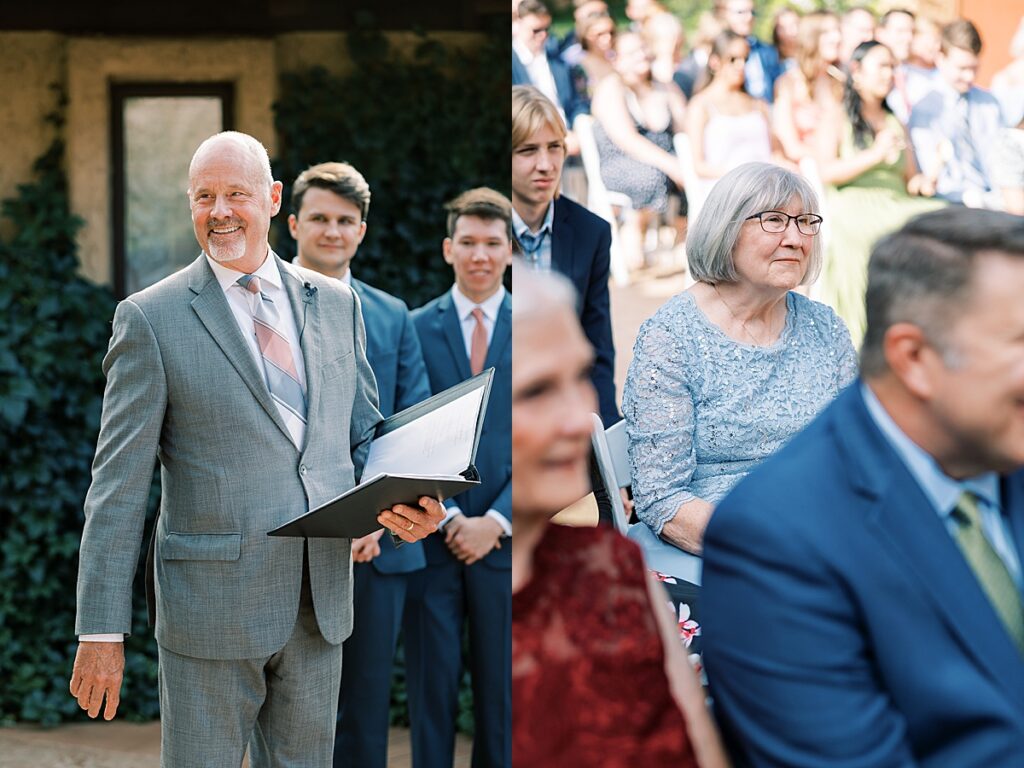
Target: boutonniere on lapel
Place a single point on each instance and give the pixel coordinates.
(309, 292)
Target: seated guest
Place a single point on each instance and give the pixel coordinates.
(864, 155)
(953, 127)
(863, 585)
(597, 49)
(896, 32)
(1008, 83)
(785, 37)
(727, 371)
(1008, 167)
(857, 25)
(570, 47)
(598, 675)
(664, 39)
(727, 126)
(532, 64)
(556, 233)
(635, 118)
(811, 88)
(762, 66)
(695, 63)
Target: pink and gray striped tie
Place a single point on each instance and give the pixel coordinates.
(278, 361)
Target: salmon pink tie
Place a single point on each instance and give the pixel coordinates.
(478, 343)
(278, 361)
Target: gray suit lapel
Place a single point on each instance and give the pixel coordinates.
(211, 306)
(306, 307)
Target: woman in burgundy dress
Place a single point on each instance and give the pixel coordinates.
(599, 677)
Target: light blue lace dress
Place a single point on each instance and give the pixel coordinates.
(702, 409)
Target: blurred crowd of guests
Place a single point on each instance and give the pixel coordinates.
(882, 114)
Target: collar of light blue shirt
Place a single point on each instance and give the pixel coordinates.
(520, 226)
(942, 490)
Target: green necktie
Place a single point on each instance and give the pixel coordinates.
(989, 567)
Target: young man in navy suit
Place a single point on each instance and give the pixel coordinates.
(556, 233)
(330, 202)
(468, 573)
(862, 588)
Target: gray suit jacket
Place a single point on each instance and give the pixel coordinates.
(182, 388)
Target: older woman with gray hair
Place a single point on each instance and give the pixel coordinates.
(727, 371)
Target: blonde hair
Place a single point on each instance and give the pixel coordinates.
(531, 111)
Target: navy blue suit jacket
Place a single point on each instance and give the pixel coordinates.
(842, 624)
(444, 351)
(580, 249)
(568, 99)
(393, 351)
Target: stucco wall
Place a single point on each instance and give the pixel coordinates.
(31, 62)
(94, 63)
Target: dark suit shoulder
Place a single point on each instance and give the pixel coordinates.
(577, 216)
(381, 300)
(428, 310)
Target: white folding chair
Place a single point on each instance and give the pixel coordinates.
(611, 450)
(599, 199)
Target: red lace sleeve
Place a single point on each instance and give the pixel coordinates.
(588, 679)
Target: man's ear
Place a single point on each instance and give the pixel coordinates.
(911, 358)
(293, 226)
(446, 249)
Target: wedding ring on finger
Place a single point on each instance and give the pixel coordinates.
(411, 525)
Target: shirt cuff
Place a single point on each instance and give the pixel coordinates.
(114, 637)
(506, 526)
(450, 512)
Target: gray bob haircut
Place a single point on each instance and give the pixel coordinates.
(745, 190)
(537, 293)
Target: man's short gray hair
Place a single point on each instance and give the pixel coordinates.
(742, 192)
(921, 274)
(535, 293)
(247, 143)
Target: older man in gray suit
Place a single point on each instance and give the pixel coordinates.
(247, 378)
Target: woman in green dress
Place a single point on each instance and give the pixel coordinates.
(872, 180)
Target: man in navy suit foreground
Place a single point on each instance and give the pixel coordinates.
(468, 573)
(330, 203)
(862, 588)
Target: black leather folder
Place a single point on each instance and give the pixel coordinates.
(354, 513)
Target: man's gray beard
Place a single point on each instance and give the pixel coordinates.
(227, 253)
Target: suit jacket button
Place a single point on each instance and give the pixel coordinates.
(302, 469)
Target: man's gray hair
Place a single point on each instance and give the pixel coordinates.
(747, 189)
(921, 274)
(247, 143)
(535, 293)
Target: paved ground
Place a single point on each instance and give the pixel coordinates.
(131, 745)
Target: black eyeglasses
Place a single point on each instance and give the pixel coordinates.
(775, 222)
(541, 31)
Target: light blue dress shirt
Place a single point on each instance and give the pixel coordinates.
(943, 491)
(536, 245)
(968, 125)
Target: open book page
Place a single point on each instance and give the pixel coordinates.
(437, 443)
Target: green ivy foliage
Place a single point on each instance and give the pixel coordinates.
(421, 126)
(54, 328)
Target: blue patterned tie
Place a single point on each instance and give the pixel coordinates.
(531, 244)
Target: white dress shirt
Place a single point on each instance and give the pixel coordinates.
(243, 305)
(539, 70)
(464, 306)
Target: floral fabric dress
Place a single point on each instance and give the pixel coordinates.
(588, 678)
